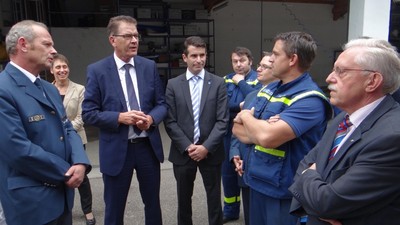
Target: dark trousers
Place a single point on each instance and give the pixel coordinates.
(185, 176)
(140, 157)
(246, 204)
(64, 219)
(85, 192)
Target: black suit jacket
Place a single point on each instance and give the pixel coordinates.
(360, 185)
(213, 118)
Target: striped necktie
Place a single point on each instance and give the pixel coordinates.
(196, 108)
(340, 134)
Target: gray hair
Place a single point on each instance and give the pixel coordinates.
(21, 29)
(378, 55)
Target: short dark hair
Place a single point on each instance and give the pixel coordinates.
(243, 51)
(301, 44)
(195, 41)
(114, 22)
(61, 57)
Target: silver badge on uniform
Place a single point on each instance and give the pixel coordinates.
(36, 118)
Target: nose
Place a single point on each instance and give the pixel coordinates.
(330, 77)
(236, 63)
(53, 51)
(271, 58)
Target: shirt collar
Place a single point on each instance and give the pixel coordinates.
(30, 76)
(189, 74)
(121, 63)
(358, 116)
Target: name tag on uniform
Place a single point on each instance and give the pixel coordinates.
(36, 118)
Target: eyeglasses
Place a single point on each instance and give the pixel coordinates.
(342, 71)
(128, 36)
(263, 66)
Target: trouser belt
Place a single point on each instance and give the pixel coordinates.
(138, 140)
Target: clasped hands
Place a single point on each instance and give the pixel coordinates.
(137, 118)
(197, 152)
(74, 176)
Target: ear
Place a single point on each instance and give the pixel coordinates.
(111, 39)
(184, 57)
(293, 60)
(375, 81)
(23, 44)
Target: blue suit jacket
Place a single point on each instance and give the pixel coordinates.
(104, 100)
(38, 146)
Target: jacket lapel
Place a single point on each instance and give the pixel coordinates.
(112, 71)
(206, 90)
(355, 136)
(186, 93)
(68, 95)
(365, 125)
(140, 78)
(30, 88)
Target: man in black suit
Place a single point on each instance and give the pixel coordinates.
(191, 149)
(356, 183)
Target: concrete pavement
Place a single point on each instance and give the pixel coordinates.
(134, 214)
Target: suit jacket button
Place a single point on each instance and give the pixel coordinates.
(53, 112)
(61, 138)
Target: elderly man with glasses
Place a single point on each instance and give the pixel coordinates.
(352, 175)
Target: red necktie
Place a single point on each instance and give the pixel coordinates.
(340, 134)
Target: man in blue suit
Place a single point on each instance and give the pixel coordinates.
(127, 114)
(42, 158)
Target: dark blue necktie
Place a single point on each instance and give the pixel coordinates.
(133, 103)
(38, 84)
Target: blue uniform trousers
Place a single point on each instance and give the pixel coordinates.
(265, 210)
(230, 182)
